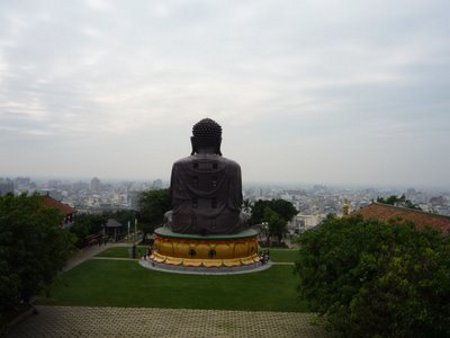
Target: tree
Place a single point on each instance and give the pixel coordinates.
(372, 279)
(33, 248)
(153, 204)
(9, 290)
(277, 224)
(398, 201)
(85, 225)
(276, 213)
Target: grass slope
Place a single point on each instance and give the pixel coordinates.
(126, 283)
(283, 255)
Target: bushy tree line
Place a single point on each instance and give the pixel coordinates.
(398, 201)
(276, 212)
(86, 225)
(153, 204)
(33, 248)
(372, 279)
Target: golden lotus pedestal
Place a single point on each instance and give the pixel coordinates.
(185, 252)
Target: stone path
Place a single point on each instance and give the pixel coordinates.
(89, 252)
(64, 321)
(282, 263)
(116, 258)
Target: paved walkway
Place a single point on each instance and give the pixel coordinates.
(282, 263)
(89, 252)
(64, 321)
(116, 258)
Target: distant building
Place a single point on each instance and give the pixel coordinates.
(55, 194)
(54, 184)
(22, 181)
(134, 197)
(6, 186)
(300, 222)
(157, 184)
(386, 212)
(23, 184)
(95, 184)
(438, 201)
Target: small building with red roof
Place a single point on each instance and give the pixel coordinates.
(65, 209)
(386, 212)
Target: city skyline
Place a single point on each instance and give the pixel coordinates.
(96, 195)
(311, 92)
(396, 189)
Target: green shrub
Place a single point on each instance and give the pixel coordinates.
(371, 279)
(33, 249)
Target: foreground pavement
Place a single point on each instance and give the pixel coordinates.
(67, 321)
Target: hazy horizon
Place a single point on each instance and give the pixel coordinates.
(312, 91)
(246, 183)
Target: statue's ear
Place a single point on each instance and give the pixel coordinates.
(194, 145)
(218, 152)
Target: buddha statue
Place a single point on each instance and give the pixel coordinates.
(206, 188)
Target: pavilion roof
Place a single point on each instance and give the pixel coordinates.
(112, 223)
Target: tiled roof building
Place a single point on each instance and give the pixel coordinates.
(52, 203)
(65, 209)
(386, 212)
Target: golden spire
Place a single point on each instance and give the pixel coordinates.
(345, 208)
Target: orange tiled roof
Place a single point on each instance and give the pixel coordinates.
(52, 203)
(385, 212)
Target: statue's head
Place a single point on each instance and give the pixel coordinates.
(207, 135)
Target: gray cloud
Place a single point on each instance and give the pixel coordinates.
(311, 91)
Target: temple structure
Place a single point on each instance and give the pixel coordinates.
(66, 210)
(206, 229)
(387, 212)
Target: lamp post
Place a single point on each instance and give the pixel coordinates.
(265, 227)
(128, 237)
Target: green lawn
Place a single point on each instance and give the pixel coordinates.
(276, 255)
(283, 255)
(126, 283)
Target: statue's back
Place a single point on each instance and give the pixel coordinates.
(206, 192)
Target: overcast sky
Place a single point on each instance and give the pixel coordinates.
(330, 92)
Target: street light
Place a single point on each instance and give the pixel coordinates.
(265, 227)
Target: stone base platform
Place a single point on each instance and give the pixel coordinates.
(222, 271)
(205, 254)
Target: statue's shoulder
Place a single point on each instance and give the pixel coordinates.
(189, 160)
(182, 162)
(230, 162)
